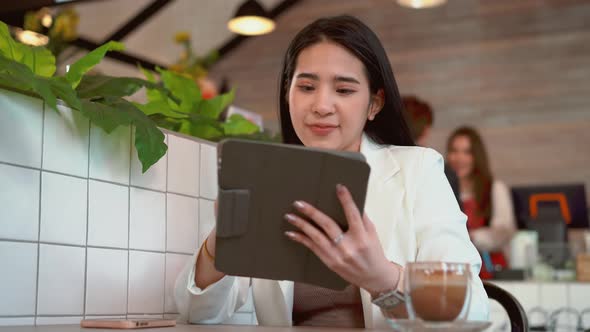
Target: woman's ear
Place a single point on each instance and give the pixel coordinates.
(377, 102)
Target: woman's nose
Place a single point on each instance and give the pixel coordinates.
(323, 104)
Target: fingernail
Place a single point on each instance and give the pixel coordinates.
(339, 188)
(299, 204)
(290, 234)
(290, 217)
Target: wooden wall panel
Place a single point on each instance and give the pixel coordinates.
(517, 70)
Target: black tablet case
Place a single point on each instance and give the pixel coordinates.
(258, 183)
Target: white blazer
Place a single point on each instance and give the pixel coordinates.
(417, 219)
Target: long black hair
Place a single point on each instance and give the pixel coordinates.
(389, 126)
(481, 175)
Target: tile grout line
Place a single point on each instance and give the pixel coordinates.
(165, 232)
(90, 315)
(200, 163)
(41, 316)
(16, 316)
(131, 135)
(96, 247)
(87, 223)
(39, 220)
(104, 181)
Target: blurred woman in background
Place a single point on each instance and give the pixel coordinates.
(486, 201)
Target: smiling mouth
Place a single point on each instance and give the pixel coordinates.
(322, 130)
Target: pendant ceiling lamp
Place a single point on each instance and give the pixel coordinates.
(421, 3)
(251, 20)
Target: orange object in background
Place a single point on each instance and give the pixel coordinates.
(550, 197)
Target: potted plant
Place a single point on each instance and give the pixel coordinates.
(174, 102)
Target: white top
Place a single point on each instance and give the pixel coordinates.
(502, 226)
(416, 216)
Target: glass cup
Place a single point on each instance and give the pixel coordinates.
(437, 292)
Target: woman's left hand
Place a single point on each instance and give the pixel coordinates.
(357, 255)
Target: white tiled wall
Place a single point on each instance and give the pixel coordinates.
(83, 233)
(61, 280)
(18, 278)
(106, 281)
(19, 199)
(16, 109)
(65, 142)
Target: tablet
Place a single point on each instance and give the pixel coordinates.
(258, 183)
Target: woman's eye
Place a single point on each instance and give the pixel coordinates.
(345, 91)
(305, 88)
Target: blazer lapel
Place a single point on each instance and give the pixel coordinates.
(383, 206)
(385, 192)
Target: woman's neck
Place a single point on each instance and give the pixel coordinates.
(466, 186)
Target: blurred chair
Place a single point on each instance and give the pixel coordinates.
(517, 315)
(560, 319)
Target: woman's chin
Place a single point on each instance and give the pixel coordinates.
(322, 144)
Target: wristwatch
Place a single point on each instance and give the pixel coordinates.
(389, 300)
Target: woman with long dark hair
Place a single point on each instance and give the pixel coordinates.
(486, 201)
(337, 91)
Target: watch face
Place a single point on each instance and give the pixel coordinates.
(390, 300)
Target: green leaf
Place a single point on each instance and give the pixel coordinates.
(7, 80)
(19, 76)
(198, 119)
(239, 125)
(85, 63)
(149, 140)
(149, 75)
(163, 104)
(104, 116)
(63, 90)
(109, 86)
(38, 59)
(214, 106)
(8, 46)
(210, 58)
(160, 107)
(152, 94)
(109, 113)
(202, 126)
(204, 131)
(166, 122)
(183, 88)
(185, 127)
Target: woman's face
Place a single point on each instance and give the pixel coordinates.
(329, 98)
(460, 157)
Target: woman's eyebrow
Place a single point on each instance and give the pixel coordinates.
(314, 77)
(338, 78)
(347, 79)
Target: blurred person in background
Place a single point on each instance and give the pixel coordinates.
(486, 201)
(420, 118)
